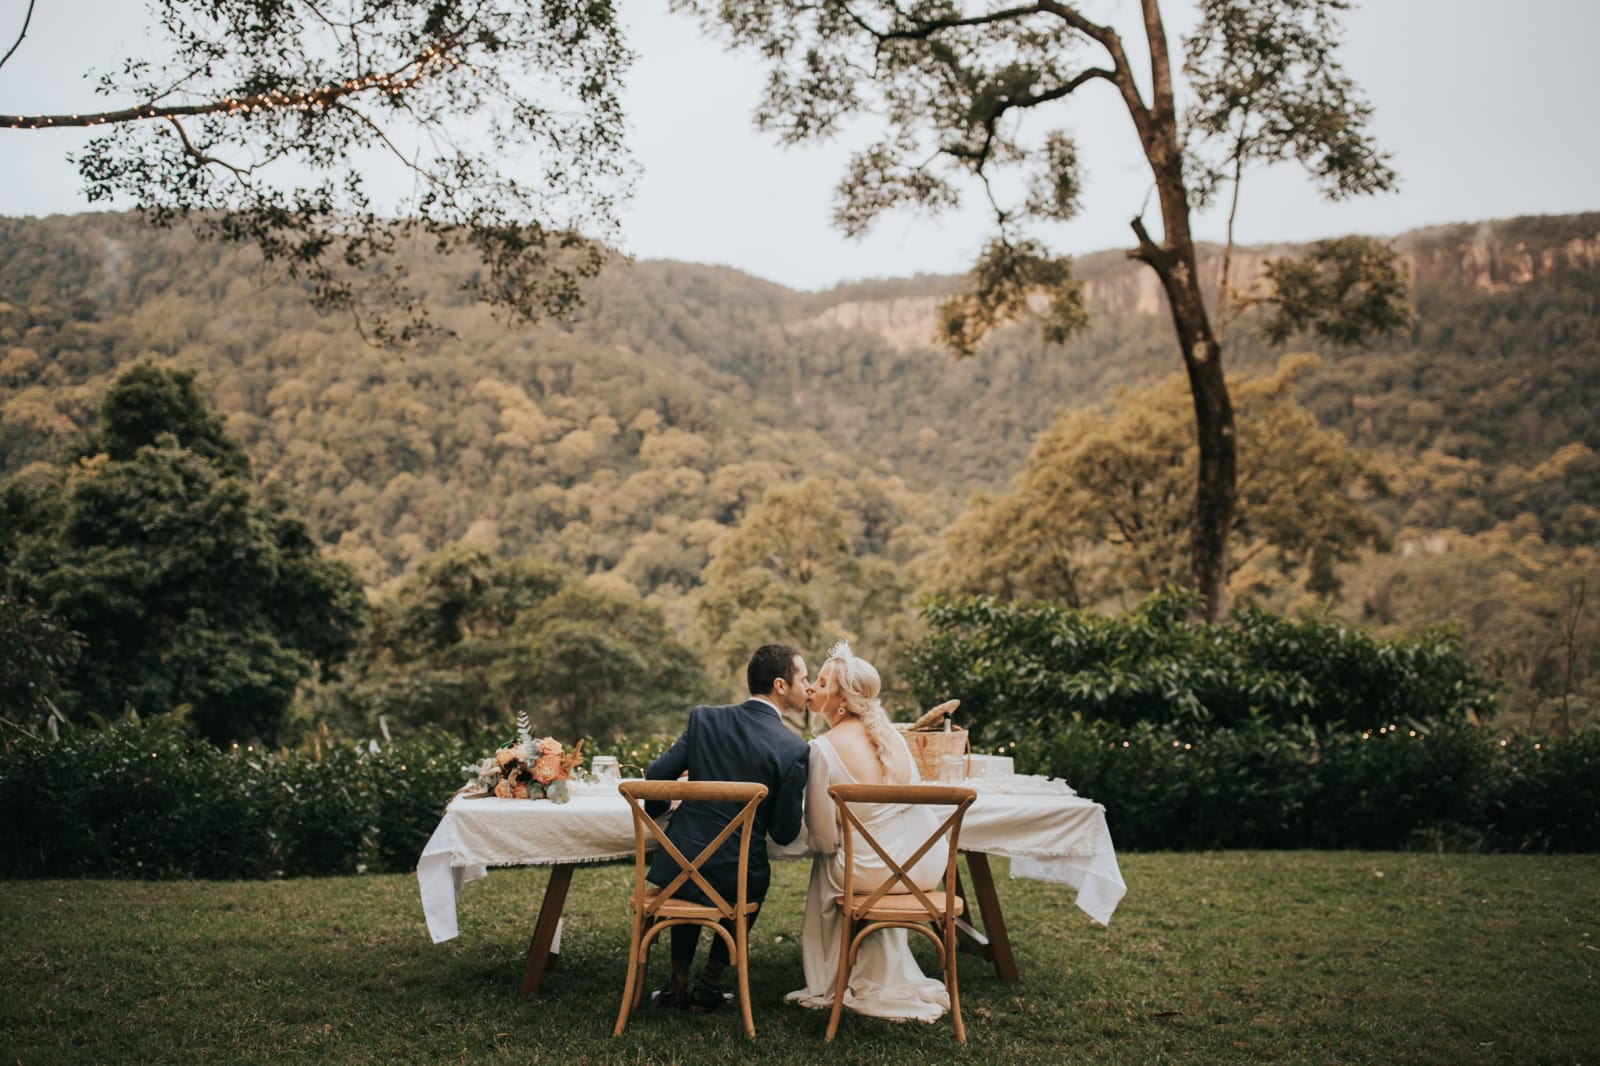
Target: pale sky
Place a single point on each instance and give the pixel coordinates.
(1489, 111)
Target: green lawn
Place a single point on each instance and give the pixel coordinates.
(1213, 958)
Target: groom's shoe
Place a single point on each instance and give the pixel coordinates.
(669, 998)
(704, 997)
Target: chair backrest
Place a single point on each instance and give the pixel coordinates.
(639, 792)
(933, 795)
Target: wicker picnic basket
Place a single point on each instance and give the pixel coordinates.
(929, 746)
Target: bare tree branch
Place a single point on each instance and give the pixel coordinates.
(378, 131)
(241, 173)
(26, 18)
(926, 28)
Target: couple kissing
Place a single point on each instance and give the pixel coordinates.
(749, 742)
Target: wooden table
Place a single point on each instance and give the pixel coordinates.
(1066, 833)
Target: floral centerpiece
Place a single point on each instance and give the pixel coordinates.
(527, 768)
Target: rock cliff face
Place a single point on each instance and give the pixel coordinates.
(1490, 255)
(1487, 256)
(906, 322)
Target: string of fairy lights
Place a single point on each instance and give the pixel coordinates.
(1390, 730)
(1366, 734)
(641, 755)
(323, 96)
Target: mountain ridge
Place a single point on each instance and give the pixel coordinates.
(1493, 255)
(692, 387)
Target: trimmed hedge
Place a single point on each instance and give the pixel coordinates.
(1446, 785)
(152, 800)
(1011, 663)
(149, 800)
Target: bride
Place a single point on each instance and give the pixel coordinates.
(861, 747)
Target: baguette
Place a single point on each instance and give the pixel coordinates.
(932, 719)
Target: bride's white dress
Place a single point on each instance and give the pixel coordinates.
(885, 981)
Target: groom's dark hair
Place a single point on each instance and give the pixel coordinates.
(770, 662)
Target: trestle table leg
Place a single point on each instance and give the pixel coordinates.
(540, 958)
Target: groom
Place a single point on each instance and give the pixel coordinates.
(742, 742)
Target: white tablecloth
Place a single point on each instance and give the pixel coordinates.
(1056, 838)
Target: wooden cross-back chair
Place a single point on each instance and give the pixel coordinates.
(898, 902)
(655, 910)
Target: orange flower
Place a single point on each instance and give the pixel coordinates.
(547, 768)
(549, 746)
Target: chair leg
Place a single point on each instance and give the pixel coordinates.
(629, 999)
(643, 971)
(950, 982)
(843, 978)
(742, 942)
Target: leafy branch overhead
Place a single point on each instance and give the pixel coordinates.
(1267, 88)
(1347, 289)
(340, 138)
(1006, 284)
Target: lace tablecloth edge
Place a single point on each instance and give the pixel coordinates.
(456, 861)
(1086, 851)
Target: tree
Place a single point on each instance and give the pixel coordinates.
(1101, 509)
(954, 83)
(35, 650)
(188, 586)
(147, 403)
(1518, 602)
(426, 657)
(596, 662)
(772, 576)
(460, 594)
(469, 639)
(263, 121)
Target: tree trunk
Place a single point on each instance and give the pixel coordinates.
(1211, 519)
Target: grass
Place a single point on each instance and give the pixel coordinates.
(1339, 957)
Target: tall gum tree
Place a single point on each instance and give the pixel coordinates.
(292, 125)
(962, 91)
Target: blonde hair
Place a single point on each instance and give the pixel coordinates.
(859, 685)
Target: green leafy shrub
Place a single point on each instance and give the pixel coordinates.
(325, 813)
(1014, 665)
(633, 752)
(148, 799)
(131, 800)
(1446, 785)
(1541, 796)
(416, 778)
(1404, 787)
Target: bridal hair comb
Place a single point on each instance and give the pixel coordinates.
(840, 650)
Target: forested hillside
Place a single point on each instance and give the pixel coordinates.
(628, 443)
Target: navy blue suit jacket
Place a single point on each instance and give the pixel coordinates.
(742, 742)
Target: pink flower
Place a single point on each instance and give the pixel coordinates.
(549, 746)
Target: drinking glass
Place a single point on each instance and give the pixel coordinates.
(952, 769)
(605, 771)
